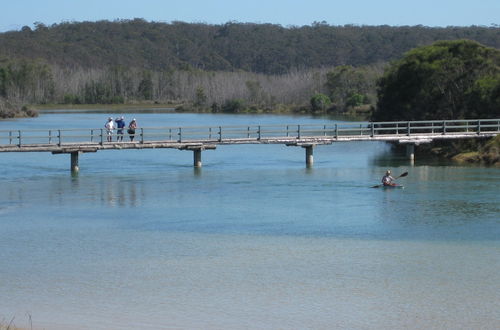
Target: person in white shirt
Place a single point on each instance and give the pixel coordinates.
(110, 126)
(387, 179)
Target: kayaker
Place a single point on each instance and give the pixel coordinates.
(387, 179)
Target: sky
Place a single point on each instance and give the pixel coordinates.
(14, 14)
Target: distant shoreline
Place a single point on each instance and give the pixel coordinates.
(97, 107)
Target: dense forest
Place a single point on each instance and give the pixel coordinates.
(227, 67)
(447, 80)
(258, 48)
(458, 79)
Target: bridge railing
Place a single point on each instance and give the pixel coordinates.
(219, 134)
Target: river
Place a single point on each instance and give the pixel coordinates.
(253, 240)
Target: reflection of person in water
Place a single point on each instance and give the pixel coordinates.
(114, 195)
(131, 129)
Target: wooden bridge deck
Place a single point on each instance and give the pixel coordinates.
(68, 147)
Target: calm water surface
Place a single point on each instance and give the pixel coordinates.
(254, 240)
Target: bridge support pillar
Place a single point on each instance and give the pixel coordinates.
(197, 158)
(410, 151)
(74, 162)
(309, 155)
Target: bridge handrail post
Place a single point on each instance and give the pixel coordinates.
(287, 131)
(248, 132)
(220, 133)
(91, 135)
(59, 137)
(50, 136)
(298, 131)
(479, 127)
(179, 134)
(373, 129)
(336, 131)
(142, 135)
(102, 136)
(258, 133)
(324, 130)
(444, 127)
(19, 138)
(10, 137)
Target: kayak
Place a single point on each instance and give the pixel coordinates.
(388, 187)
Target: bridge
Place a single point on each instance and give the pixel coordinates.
(199, 138)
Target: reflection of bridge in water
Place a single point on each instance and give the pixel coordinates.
(198, 139)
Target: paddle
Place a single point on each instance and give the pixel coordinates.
(402, 175)
(399, 176)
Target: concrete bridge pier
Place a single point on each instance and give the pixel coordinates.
(197, 158)
(309, 155)
(74, 162)
(197, 149)
(410, 152)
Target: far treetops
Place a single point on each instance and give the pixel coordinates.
(447, 80)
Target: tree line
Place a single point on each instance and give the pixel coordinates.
(36, 82)
(457, 79)
(258, 48)
(230, 68)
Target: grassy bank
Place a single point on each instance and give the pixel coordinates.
(13, 110)
(488, 154)
(466, 151)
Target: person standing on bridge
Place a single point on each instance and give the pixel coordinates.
(110, 126)
(120, 124)
(131, 129)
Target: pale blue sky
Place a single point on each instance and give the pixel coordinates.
(14, 14)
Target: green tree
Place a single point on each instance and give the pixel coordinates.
(447, 80)
(350, 86)
(3, 82)
(233, 106)
(320, 102)
(355, 100)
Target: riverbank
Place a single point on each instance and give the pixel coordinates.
(105, 107)
(13, 110)
(484, 152)
(10, 110)
(488, 154)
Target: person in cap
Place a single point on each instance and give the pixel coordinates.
(387, 179)
(120, 123)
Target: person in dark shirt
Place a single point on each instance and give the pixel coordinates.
(131, 129)
(120, 124)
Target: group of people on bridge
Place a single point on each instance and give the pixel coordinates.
(119, 124)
